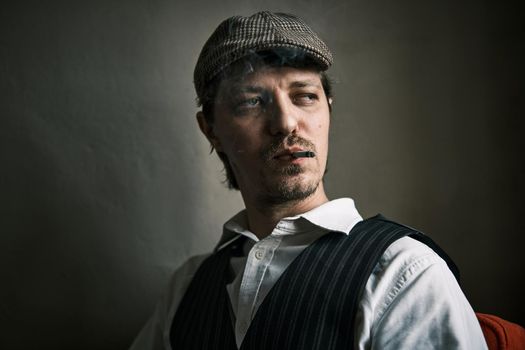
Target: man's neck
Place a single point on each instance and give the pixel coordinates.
(262, 219)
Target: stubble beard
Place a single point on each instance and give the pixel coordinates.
(285, 186)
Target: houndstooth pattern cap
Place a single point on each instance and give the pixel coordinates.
(240, 36)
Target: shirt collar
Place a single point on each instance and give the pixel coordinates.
(337, 215)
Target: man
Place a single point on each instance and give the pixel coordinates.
(295, 270)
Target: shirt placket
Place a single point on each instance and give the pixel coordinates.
(259, 259)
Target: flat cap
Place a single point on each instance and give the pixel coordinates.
(238, 36)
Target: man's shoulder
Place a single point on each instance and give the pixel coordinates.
(412, 287)
(413, 247)
(407, 264)
(407, 250)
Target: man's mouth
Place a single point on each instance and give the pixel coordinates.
(290, 149)
(294, 154)
(284, 157)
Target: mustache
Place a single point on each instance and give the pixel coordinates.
(280, 144)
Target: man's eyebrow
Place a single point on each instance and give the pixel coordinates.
(306, 83)
(241, 88)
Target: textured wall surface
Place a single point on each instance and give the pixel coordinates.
(107, 185)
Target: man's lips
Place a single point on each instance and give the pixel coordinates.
(284, 157)
(287, 154)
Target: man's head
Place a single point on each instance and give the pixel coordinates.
(264, 94)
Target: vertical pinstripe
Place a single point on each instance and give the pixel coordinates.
(202, 320)
(312, 305)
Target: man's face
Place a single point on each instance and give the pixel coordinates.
(264, 116)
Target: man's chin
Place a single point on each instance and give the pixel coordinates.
(292, 188)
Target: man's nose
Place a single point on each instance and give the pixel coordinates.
(284, 118)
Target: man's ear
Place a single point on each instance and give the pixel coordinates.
(207, 130)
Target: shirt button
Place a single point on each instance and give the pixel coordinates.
(259, 254)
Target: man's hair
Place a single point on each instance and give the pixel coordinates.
(279, 57)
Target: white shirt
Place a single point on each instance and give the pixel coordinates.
(411, 299)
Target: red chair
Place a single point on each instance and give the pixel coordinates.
(501, 334)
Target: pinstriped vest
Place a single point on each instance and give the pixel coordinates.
(311, 306)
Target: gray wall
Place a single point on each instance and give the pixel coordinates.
(107, 186)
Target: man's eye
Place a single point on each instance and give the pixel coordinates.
(250, 102)
(305, 98)
(248, 105)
